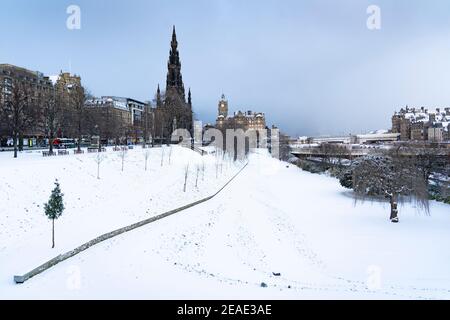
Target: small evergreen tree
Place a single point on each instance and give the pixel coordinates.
(54, 208)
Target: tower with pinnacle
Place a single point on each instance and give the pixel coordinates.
(172, 105)
(223, 107)
(174, 82)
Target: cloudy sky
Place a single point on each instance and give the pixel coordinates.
(312, 66)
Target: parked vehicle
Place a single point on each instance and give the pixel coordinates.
(62, 143)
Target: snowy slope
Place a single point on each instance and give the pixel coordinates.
(272, 218)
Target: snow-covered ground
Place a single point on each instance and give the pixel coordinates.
(273, 218)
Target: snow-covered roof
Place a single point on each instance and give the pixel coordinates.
(54, 79)
(436, 117)
(379, 131)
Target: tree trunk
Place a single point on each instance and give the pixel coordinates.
(79, 132)
(79, 136)
(394, 210)
(53, 233)
(50, 142)
(15, 145)
(21, 142)
(196, 179)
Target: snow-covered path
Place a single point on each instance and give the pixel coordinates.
(271, 219)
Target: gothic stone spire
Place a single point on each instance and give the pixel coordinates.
(190, 98)
(158, 97)
(174, 81)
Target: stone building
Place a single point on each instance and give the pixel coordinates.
(248, 120)
(65, 81)
(402, 126)
(173, 111)
(421, 124)
(419, 131)
(37, 83)
(436, 133)
(134, 107)
(118, 118)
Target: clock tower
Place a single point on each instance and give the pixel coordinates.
(223, 107)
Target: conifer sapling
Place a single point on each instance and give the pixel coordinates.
(54, 207)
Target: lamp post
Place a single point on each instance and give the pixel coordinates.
(97, 131)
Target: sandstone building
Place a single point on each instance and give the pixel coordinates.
(37, 85)
(421, 124)
(37, 81)
(248, 120)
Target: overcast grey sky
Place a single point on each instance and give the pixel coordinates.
(312, 66)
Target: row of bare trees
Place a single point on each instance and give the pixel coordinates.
(62, 113)
(47, 113)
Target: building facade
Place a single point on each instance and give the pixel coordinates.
(119, 118)
(65, 81)
(37, 81)
(421, 124)
(37, 85)
(248, 120)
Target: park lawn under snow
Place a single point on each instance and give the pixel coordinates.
(273, 218)
(93, 206)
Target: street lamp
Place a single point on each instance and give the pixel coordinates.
(97, 132)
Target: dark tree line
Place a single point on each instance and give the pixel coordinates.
(61, 112)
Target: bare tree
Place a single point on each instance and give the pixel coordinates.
(392, 176)
(123, 155)
(51, 107)
(162, 156)
(217, 164)
(147, 124)
(102, 120)
(19, 112)
(196, 178)
(170, 154)
(146, 156)
(186, 173)
(99, 158)
(203, 170)
(77, 99)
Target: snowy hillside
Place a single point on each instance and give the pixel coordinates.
(273, 218)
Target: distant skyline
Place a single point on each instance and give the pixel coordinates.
(312, 66)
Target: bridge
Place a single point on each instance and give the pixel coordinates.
(343, 151)
(349, 151)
